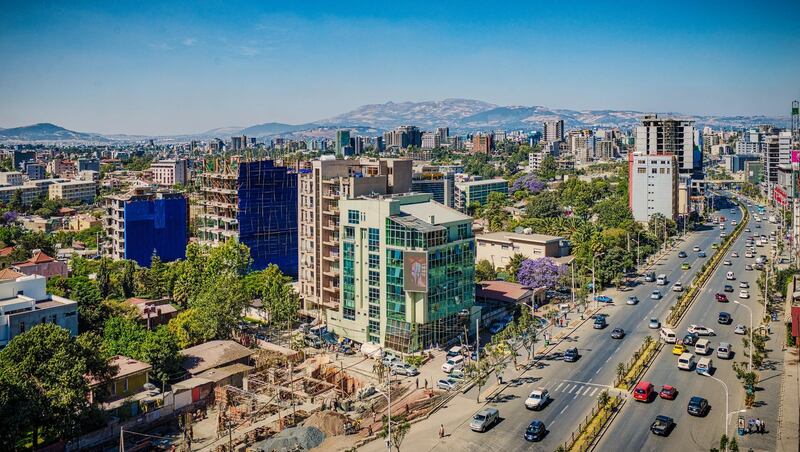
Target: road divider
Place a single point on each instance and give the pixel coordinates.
(628, 375)
(584, 437)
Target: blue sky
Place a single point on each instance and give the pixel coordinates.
(185, 67)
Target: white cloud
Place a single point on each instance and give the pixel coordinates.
(160, 46)
(248, 50)
(188, 42)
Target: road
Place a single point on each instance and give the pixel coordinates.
(694, 433)
(574, 386)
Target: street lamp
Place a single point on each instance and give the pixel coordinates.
(750, 363)
(706, 374)
(594, 283)
(638, 234)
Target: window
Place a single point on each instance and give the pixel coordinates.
(349, 233)
(374, 239)
(125, 385)
(641, 170)
(374, 312)
(113, 390)
(374, 278)
(353, 216)
(374, 261)
(374, 295)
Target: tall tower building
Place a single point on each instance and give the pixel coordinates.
(553, 130)
(671, 137)
(342, 140)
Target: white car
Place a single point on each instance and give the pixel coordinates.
(744, 284)
(733, 222)
(696, 249)
(537, 399)
(734, 254)
(730, 276)
(701, 330)
(726, 263)
(740, 329)
(677, 287)
(744, 293)
(655, 295)
(748, 254)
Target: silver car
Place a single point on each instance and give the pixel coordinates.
(484, 419)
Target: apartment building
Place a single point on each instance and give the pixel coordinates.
(74, 191)
(320, 189)
(10, 178)
(25, 303)
(671, 137)
(408, 266)
(478, 191)
(170, 172)
(499, 247)
(653, 182)
(441, 185)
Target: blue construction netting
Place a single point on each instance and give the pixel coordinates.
(267, 215)
(156, 226)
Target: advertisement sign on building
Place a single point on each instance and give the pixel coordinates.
(796, 156)
(415, 271)
(779, 194)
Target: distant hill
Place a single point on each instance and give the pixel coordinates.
(48, 132)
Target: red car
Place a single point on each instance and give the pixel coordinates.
(722, 298)
(668, 392)
(643, 391)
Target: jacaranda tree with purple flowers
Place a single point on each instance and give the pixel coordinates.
(530, 183)
(542, 272)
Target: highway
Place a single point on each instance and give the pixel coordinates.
(702, 433)
(575, 386)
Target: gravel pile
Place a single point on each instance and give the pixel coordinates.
(329, 422)
(302, 438)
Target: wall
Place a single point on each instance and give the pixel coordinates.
(159, 226)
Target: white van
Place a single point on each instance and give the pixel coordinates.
(668, 336)
(730, 276)
(453, 363)
(703, 366)
(661, 280)
(702, 347)
(724, 351)
(686, 361)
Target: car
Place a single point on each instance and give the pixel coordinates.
(734, 254)
(404, 369)
(758, 225)
(458, 374)
(733, 222)
(748, 267)
(682, 254)
(632, 300)
(662, 426)
(744, 284)
(701, 330)
(537, 399)
(484, 419)
(726, 262)
(456, 350)
(696, 249)
(721, 297)
(677, 287)
(571, 355)
(447, 384)
(649, 276)
(740, 329)
(701, 254)
(685, 266)
(655, 295)
(690, 339)
(698, 406)
(535, 431)
(722, 235)
(603, 299)
(643, 391)
(715, 245)
(749, 254)
(599, 322)
(746, 229)
(617, 333)
(668, 392)
(744, 293)
(654, 324)
(497, 327)
(724, 318)
(678, 349)
(727, 288)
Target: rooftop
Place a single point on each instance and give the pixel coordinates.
(125, 367)
(39, 257)
(8, 273)
(480, 182)
(502, 290)
(507, 237)
(213, 354)
(434, 213)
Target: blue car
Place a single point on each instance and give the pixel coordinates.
(535, 431)
(497, 327)
(603, 299)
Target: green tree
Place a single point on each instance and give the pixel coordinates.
(484, 271)
(544, 205)
(230, 258)
(191, 327)
(104, 278)
(278, 296)
(127, 281)
(548, 168)
(160, 349)
(613, 212)
(514, 265)
(91, 312)
(220, 306)
(479, 372)
(400, 428)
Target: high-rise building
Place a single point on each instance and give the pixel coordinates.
(478, 191)
(320, 189)
(342, 140)
(653, 185)
(430, 140)
(403, 137)
(671, 137)
(553, 130)
(408, 266)
(255, 203)
(84, 164)
(441, 185)
(170, 172)
(144, 223)
(482, 143)
(19, 158)
(444, 134)
(35, 171)
(772, 156)
(785, 148)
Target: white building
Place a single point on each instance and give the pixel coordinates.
(170, 172)
(553, 130)
(670, 137)
(653, 185)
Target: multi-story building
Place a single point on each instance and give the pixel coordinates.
(408, 266)
(25, 303)
(535, 160)
(736, 163)
(785, 148)
(671, 137)
(342, 140)
(320, 189)
(19, 158)
(403, 137)
(11, 178)
(653, 185)
(772, 156)
(430, 140)
(254, 202)
(170, 172)
(35, 171)
(84, 164)
(604, 150)
(441, 185)
(553, 130)
(74, 191)
(478, 191)
(143, 222)
(499, 247)
(754, 171)
(483, 143)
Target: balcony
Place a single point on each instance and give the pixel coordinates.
(331, 289)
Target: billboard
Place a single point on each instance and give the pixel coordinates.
(415, 271)
(795, 156)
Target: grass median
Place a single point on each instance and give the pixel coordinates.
(641, 359)
(589, 430)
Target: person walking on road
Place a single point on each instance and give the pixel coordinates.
(441, 431)
(417, 382)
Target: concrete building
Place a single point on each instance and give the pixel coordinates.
(403, 137)
(671, 137)
(482, 143)
(754, 171)
(255, 203)
(35, 171)
(11, 178)
(82, 222)
(142, 223)
(499, 247)
(771, 158)
(785, 148)
(85, 164)
(41, 264)
(408, 267)
(320, 190)
(25, 303)
(74, 191)
(170, 172)
(653, 185)
(478, 191)
(441, 185)
(342, 141)
(430, 140)
(736, 163)
(553, 130)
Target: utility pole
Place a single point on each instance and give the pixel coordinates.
(478, 340)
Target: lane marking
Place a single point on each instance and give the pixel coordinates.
(562, 410)
(559, 386)
(592, 384)
(598, 370)
(572, 388)
(595, 390)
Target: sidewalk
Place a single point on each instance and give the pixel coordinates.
(789, 430)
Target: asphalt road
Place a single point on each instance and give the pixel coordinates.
(695, 433)
(575, 386)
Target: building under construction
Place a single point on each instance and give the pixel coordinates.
(254, 202)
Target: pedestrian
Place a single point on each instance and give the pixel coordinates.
(417, 382)
(426, 383)
(369, 430)
(441, 431)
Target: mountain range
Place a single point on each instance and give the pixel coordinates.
(460, 115)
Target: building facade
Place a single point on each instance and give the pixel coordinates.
(671, 137)
(653, 186)
(408, 266)
(74, 191)
(499, 247)
(25, 303)
(439, 184)
(553, 130)
(478, 191)
(170, 172)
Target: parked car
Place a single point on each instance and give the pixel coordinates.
(668, 392)
(617, 333)
(603, 299)
(447, 384)
(484, 419)
(571, 355)
(537, 399)
(701, 330)
(535, 431)
(497, 327)
(662, 426)
(698, 406)
(404, 369)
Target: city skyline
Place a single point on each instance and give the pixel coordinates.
(142, 68)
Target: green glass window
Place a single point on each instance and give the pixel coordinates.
(353, 216)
